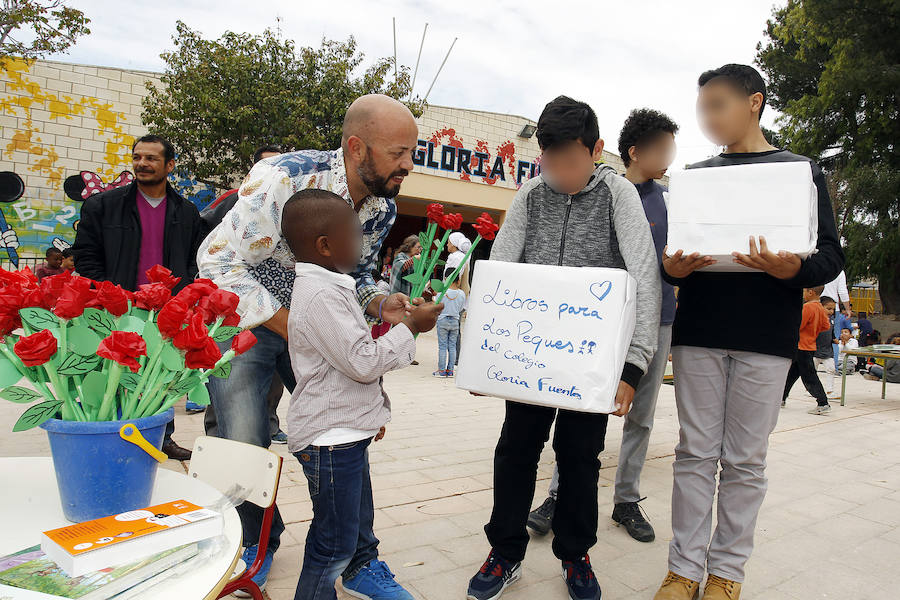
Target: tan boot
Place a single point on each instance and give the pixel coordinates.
(719, 588)
(676, 587)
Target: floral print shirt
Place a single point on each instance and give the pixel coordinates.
(246, 253)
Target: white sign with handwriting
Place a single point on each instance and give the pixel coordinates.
(547, 335)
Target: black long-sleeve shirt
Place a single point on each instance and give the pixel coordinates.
(755, 312)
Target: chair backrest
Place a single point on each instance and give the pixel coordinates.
(224, 463)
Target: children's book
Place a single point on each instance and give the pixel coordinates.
(30, 573)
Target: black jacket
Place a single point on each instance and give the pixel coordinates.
(108, 243)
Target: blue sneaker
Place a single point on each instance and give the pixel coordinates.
(375, 582)
(495, 575)
(580, 579)
(280, 437)
(260, 578)
(192, 408)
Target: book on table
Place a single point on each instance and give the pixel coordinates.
(118, 539)
(31, 574)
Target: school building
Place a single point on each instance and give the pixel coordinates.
(66, 132)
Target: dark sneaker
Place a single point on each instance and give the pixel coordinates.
(495, 575)
(580, 579)
(629, 515)
(540, 520)
(280, 437)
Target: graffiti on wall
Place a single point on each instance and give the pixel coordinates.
(45, 213)
(478, 162)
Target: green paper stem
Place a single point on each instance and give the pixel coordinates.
(215, 326)
(458, 268)
(226, 357)
(20, 367)
(429, 236)
(420, 287)
(107, 406)
(134, 400)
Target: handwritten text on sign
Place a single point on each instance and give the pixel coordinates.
(548, 337)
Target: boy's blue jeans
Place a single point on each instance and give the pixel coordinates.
(340, 539)
(448, 333)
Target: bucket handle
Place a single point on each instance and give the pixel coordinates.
(130, 433)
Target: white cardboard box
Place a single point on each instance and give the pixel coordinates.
(715, 210)
(547, 335)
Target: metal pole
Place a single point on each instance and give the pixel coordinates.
(418, 58)
(394, 19)
(425, 99)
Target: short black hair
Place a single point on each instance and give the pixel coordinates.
(68, 252)
(642, 126)
(310, 213)
(564, 120)
(152, 138)
(257, 156)
(744, 77)
(51, 251)
(826, 300)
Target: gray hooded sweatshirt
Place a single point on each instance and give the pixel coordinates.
(603, 225)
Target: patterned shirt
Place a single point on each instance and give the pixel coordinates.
(337, 364)
(247, 254)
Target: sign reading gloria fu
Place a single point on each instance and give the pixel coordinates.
(547, 335)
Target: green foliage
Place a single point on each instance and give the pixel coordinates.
(51, 27)
(834, 73)
(221, 99)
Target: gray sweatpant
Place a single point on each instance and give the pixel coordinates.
(637, 426)
(728, 403)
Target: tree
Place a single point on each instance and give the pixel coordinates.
(221, 99)
(52, 27)
(834, 73)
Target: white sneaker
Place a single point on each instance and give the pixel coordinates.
(821, 410)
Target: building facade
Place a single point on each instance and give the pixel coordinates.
(66, 132)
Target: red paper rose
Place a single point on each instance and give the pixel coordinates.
(193, 336)
(485, 226)
(36, 349)
(243, 342)
(113, 298)
(204, 357)
(435, 213)
(8, 323)
(199, 288)
(160, 274)
(152, 296)
(452, 221)
(123, 347)
(53, 286)
(171, 317)
(223, 302)
(232, 320)
(74, 298)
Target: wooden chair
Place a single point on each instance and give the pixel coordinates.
(225, 463)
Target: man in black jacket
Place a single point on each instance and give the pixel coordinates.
(125, 231)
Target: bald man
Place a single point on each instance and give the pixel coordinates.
(248, 255)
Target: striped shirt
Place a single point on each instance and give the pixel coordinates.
(337, 364)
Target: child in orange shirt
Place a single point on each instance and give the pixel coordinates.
(813, 322)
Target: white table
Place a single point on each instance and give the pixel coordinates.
(29, 504)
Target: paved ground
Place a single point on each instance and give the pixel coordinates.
(830, 526)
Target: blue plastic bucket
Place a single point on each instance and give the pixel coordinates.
(99, 473)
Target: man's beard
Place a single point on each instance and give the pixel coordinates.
(144, 178)
(378, 186)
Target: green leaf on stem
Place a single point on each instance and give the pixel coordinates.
(185, 387)
(76, 364)
(438, 286)
(37, 414)
(99, 320)
(414, 278)
(130, 323)
(82, 340)
(129, 380)
(222, 371)
(423, 239)
(39, 318)
(140, 313)
(440, 263)
(223, 334)
(9, 374)
(152, 337)
(199, 395)
(92, 388)
(20, 395)
(172, 359)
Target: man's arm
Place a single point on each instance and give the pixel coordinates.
(90, 258)
(366, 288)
(247, 238)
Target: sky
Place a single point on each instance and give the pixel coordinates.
(510, 57)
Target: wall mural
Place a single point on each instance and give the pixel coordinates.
(35, 217)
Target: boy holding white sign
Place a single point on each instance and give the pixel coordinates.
(730, 374)
(576, 214)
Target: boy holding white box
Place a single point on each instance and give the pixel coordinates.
(729, 373)
(575, 214)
